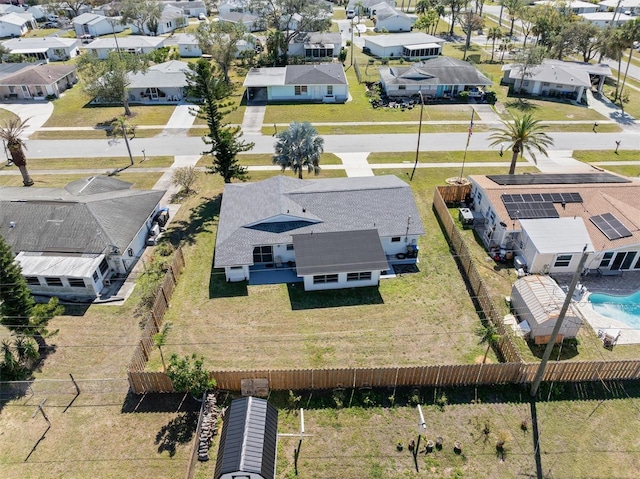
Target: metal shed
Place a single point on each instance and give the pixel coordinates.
(538, 300)
(248, 441)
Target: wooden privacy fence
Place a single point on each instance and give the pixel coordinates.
(139, 380)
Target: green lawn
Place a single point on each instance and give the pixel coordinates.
(437, 157)
(139, 180)
(398, 128)
(73, 109)
(109, 163)
(6, 115)
(97, 134)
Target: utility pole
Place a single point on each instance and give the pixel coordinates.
(558, 325)
(415, 165)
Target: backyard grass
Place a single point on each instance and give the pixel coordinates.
(386, 129)
(279, 326)
(97, 134)
(139, 180)
(73, 109)
(6, 115)
(93, 163)
(438, 157)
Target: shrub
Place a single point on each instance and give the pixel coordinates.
(464, 96)
(188, 375)
(491, 97)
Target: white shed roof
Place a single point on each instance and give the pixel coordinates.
(557, 235)
(544, 299)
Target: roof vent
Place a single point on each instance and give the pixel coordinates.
(12, 224)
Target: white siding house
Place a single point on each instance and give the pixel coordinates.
(16, 24)
(606, 19)
(44, 48)
(131, 44)
(96, 25)
(414, 45)
(389, 19)
(188, 45)
(171, 19)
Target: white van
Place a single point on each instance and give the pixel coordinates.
(351, 13)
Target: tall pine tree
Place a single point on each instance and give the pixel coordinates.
(224, 141)
(16, 302)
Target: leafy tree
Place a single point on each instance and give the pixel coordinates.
(489, 335)
(422, 6)
(275, 38)
(11, 133)
(16, 302)
(513, 7)
(527, 59)
(428, 21)
(581, 37)
(522, 134)
(220, 40)
(469, 22)
(279, 15)
(224, 141)
(630, 33)
(73, 5)
(455, 7)
(526, 17)
(613, 46)
(188, 375)
(160, 339)
(297, 147)
(142, 13)
(41, 314)
(495, 33)
(108, 79)
(547, 23)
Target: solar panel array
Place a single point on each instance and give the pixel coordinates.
(610, 226)
(542, 197)
(557, 179)
(522, 211)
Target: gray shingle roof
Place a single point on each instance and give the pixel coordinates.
(321, 74)
(329, 205)
(164, 75)
(249, 439)
(339, 252)
(435, 71)
(73, 219)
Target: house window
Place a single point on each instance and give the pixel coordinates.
(301, 90)
(545, 84)
(53, 281)
(33, 280)
(606, 259)
(95, 276)
(637, 266)
(366, 275)
(402, 87)
(563, 260)
(325, 278)
(492, 217)
(104, 267)
(289, 247)
(479, 196)
(395, 239)
(329, 90)
(236, 268)
(263, 254)
(76, 282)
(525, 83)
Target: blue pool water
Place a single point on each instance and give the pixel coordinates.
(620, 308)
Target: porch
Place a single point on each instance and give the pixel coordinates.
(269, 273)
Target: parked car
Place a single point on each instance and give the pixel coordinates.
(50, 25)
(202, 17)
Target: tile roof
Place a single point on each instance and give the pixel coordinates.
(77, 219)
(620, 199)
(327, 205)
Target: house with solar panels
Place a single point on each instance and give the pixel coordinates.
(248, 442)
(548, 219)
(330, 233)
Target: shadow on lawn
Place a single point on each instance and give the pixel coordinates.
(179, 430)
(201, 217)
(335, 298)
(219, 288)
(159, 402)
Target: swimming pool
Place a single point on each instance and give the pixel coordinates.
(620, 308)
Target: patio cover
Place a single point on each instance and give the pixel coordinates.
(422, 45)
(557, 235)
(30, 50)
(339, 252)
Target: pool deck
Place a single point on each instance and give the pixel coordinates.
(623, 285)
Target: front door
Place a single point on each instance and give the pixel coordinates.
(25, 92)
(154, 93)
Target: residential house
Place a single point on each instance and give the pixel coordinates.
(39, 12)
(228, 6)
(5, 8)
(323, 82)
(252, 23)
(188, 45)
(538, 300)
(192, 8)
(72, 242)
(330, 233)
(35, 81)
(249, 440)
(606, 19)
(576, 7)
(131, 44)
(411, 46)
(556, 78)
(547, 219)
(389, 19)
(628, 7)
(440, 77)
(162, 83)
(171, 19)
(315, 45)
(95, 25)
(44, 48)
(366, 6)
(16, 24)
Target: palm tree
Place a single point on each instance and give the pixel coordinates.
(495, 33)
(160, 339)
(10, 133)
(631, 32)
(27, 351)
(297, 147)
(523, 134)
(489, 335)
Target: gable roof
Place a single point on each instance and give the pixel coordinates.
(37, 74)
(321, 74)
(164, 75)
(249, 439)
(238, 17)
(558, 71)
(17, 19)
(271, 211)
(84, 217)
(131, 41)
(27, 44)
(384, 11)
(435, 71)
(621, 199)
(88, 19)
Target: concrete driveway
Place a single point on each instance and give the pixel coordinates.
(38, 112)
